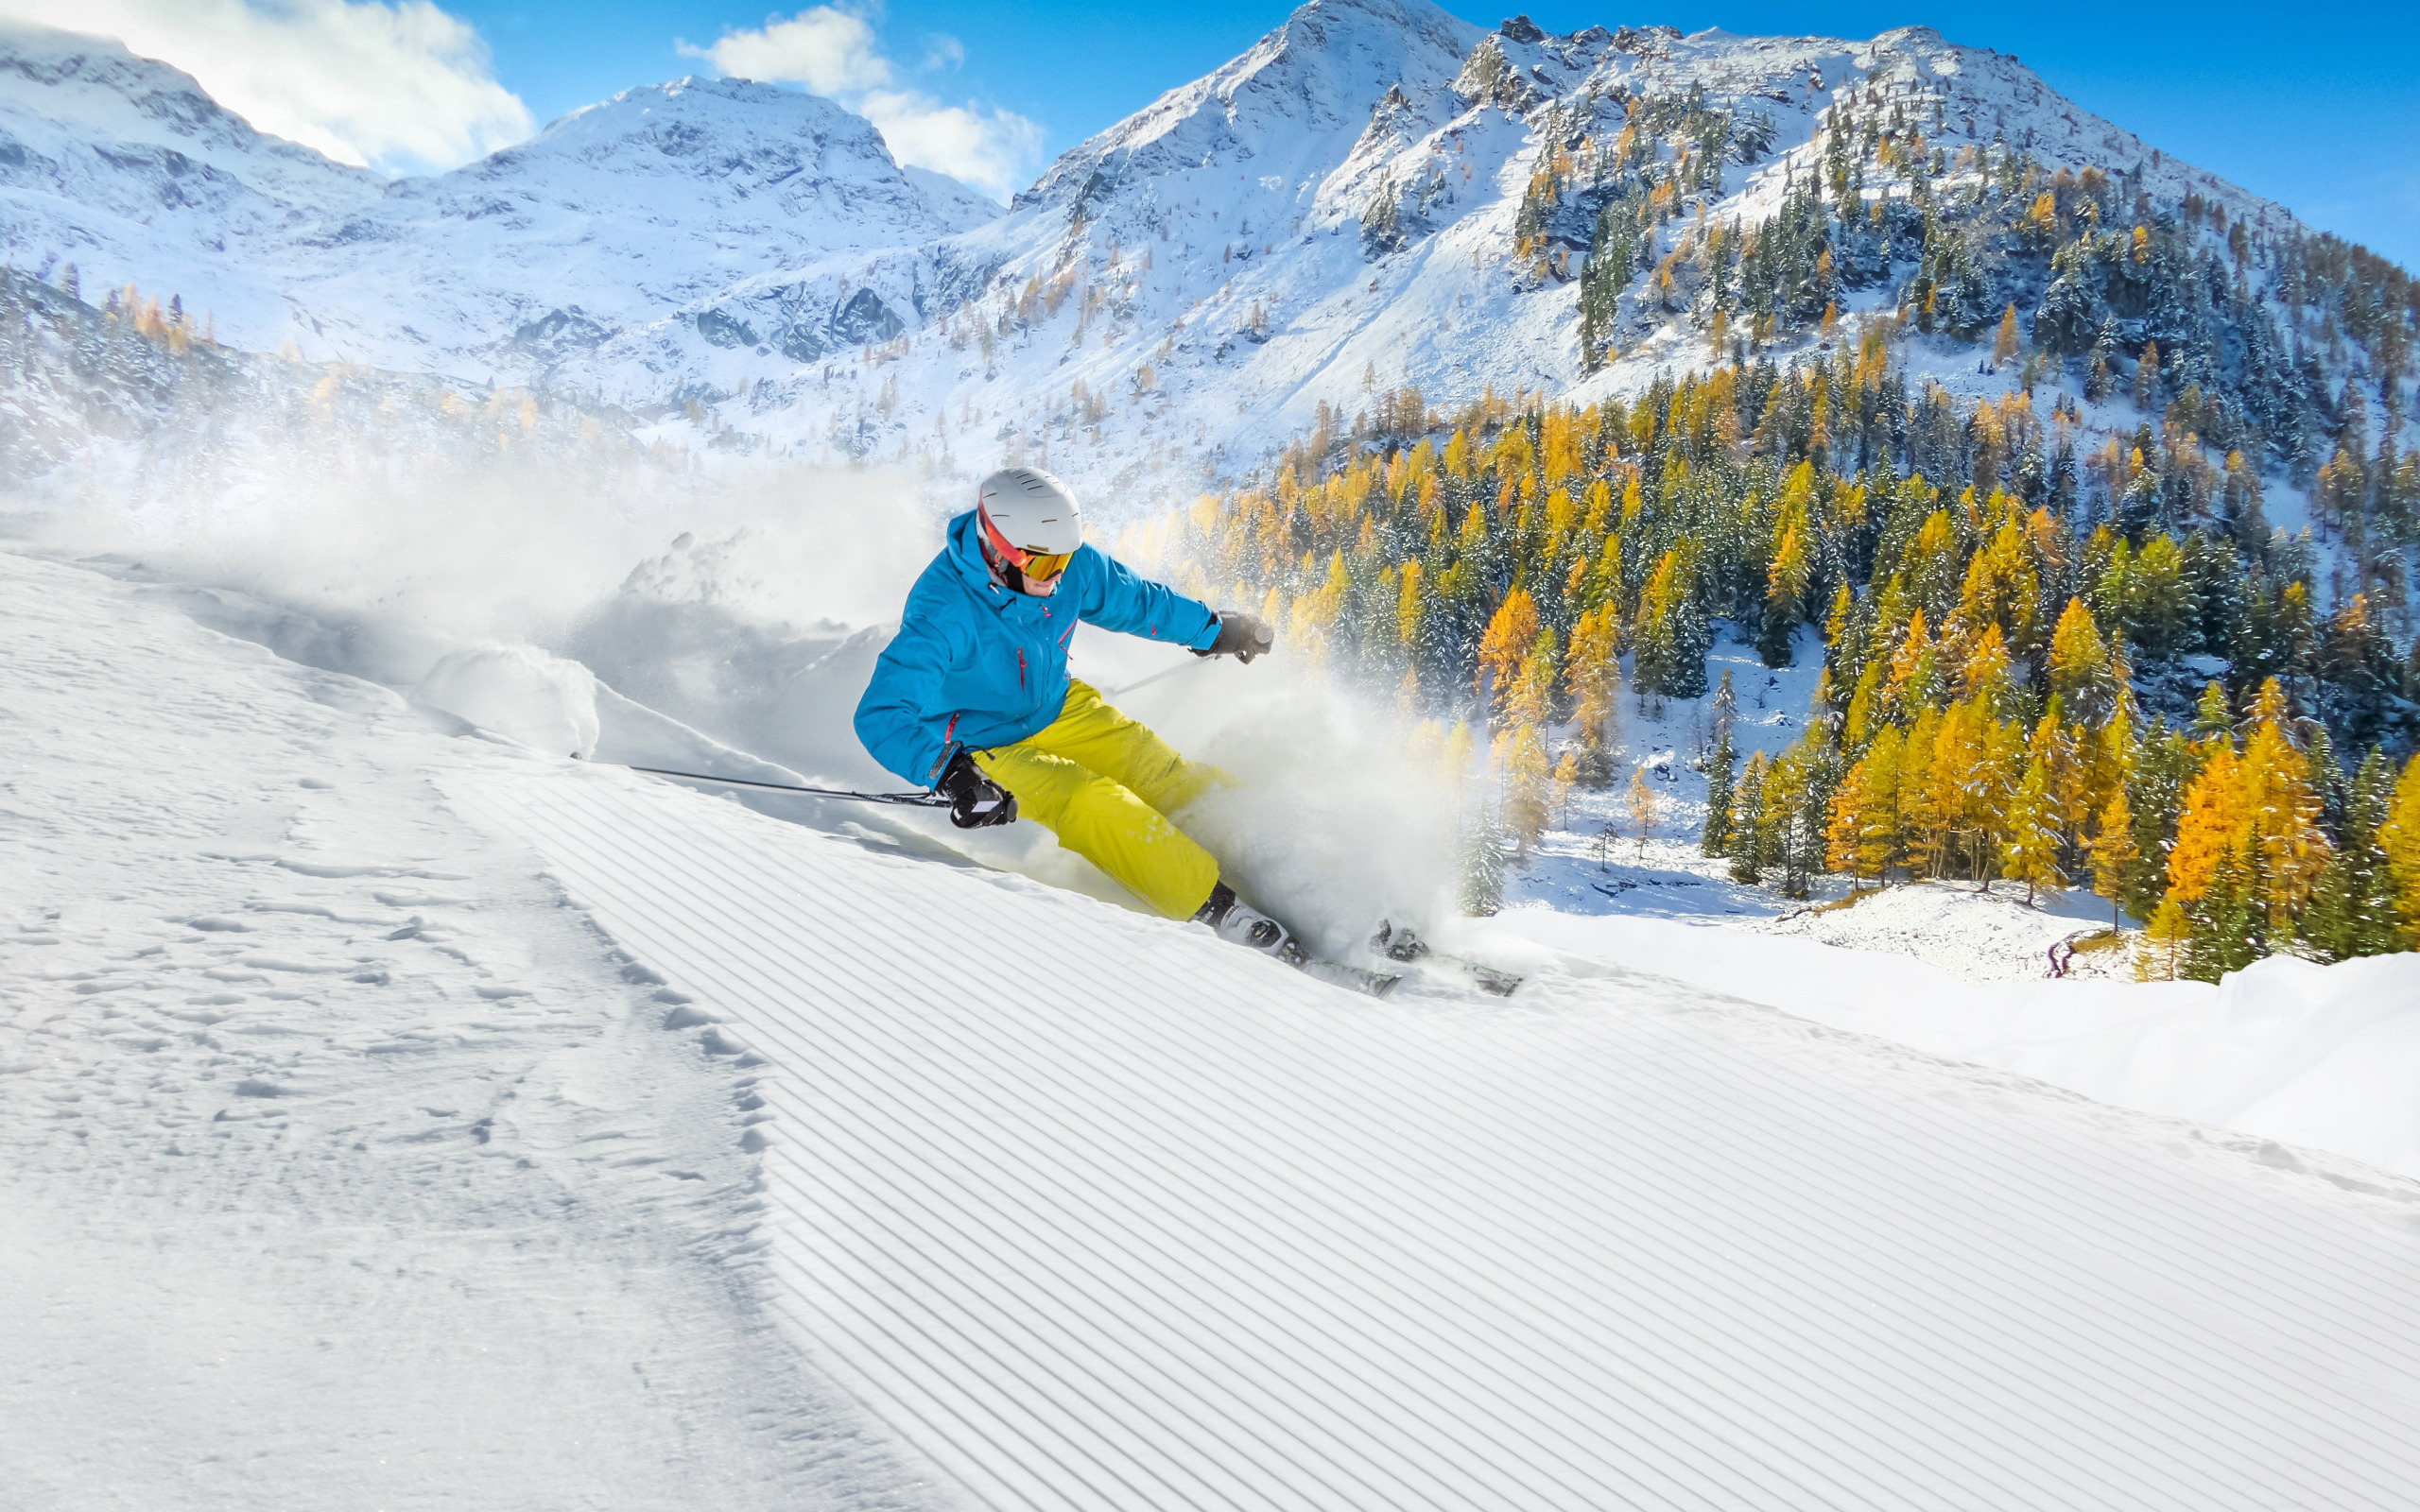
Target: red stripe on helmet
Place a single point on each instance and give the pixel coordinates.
(1018, 555)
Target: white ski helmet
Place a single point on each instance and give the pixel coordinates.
(1029, 512)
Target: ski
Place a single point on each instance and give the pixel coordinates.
(1399, 942)
(1350, 978)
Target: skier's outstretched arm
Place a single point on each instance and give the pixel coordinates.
(1118, 598)
(1123, 599)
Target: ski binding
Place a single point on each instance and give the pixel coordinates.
(1399, 942)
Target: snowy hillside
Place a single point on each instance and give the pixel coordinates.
(125, 169)
(480, 1128)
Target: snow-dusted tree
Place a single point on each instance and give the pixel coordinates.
(1744, 843)
(2113, 852)
(2029, 853)
(1512, 633)
(1528, 790)
(1592, 677)
(1715, 839)
(1785, 581)
(1640, 800)
(1482, 868)
(2352, 907)
(1671, 639)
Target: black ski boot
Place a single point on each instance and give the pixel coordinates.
(1238, 924)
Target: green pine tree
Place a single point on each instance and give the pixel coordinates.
(2351, 911)
(1482, 863)
(2225, 928)
(1744, 843)
(1717, 839)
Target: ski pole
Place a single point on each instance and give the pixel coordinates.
(1169, 672)
(919, 800)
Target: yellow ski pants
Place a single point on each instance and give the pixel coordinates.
(1104, 785)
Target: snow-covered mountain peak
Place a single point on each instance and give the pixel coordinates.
(1284, 100)
(743, 138)
(792, 173)
(623, 211)
(58, 88)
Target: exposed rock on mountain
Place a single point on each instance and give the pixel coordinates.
(1374, 198)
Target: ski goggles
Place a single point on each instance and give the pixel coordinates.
(1037, 566)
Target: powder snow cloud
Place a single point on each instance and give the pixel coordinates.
(833, 52)
(401, 86)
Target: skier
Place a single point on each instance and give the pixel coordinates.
(973, 699)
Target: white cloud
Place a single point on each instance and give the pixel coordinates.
(994, 153)
(399, 85)
(833, 52)
(830, 51)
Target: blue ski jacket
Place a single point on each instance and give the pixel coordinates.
(977, 665)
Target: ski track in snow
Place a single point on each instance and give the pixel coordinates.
(340, 1166)
(1100, 1214)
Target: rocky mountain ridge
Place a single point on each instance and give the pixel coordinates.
(1374, 198)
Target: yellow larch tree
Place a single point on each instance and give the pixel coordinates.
(1592, 677)
(1641, 803)
(1410, 605)
(2283, 809)
(1914, 838)
(2081, 672)
(1528, 786)
(2113, 852)
(2029, 853)
(1840, 850)
(1528, 698)
(2400, 837)
(1510, 635)
(2168, 931)
(1861, 831)
(2216, 819)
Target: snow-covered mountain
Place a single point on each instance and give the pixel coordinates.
(653, 200)
(649, 202)
(1376, 193)
(1339, 211)
(127, 169)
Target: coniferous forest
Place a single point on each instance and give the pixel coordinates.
(2063, 644)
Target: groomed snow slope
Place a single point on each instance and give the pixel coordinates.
(341, 1167)
(1101, 1214)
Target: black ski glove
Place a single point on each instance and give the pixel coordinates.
(1239, 636)
(975, 799)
